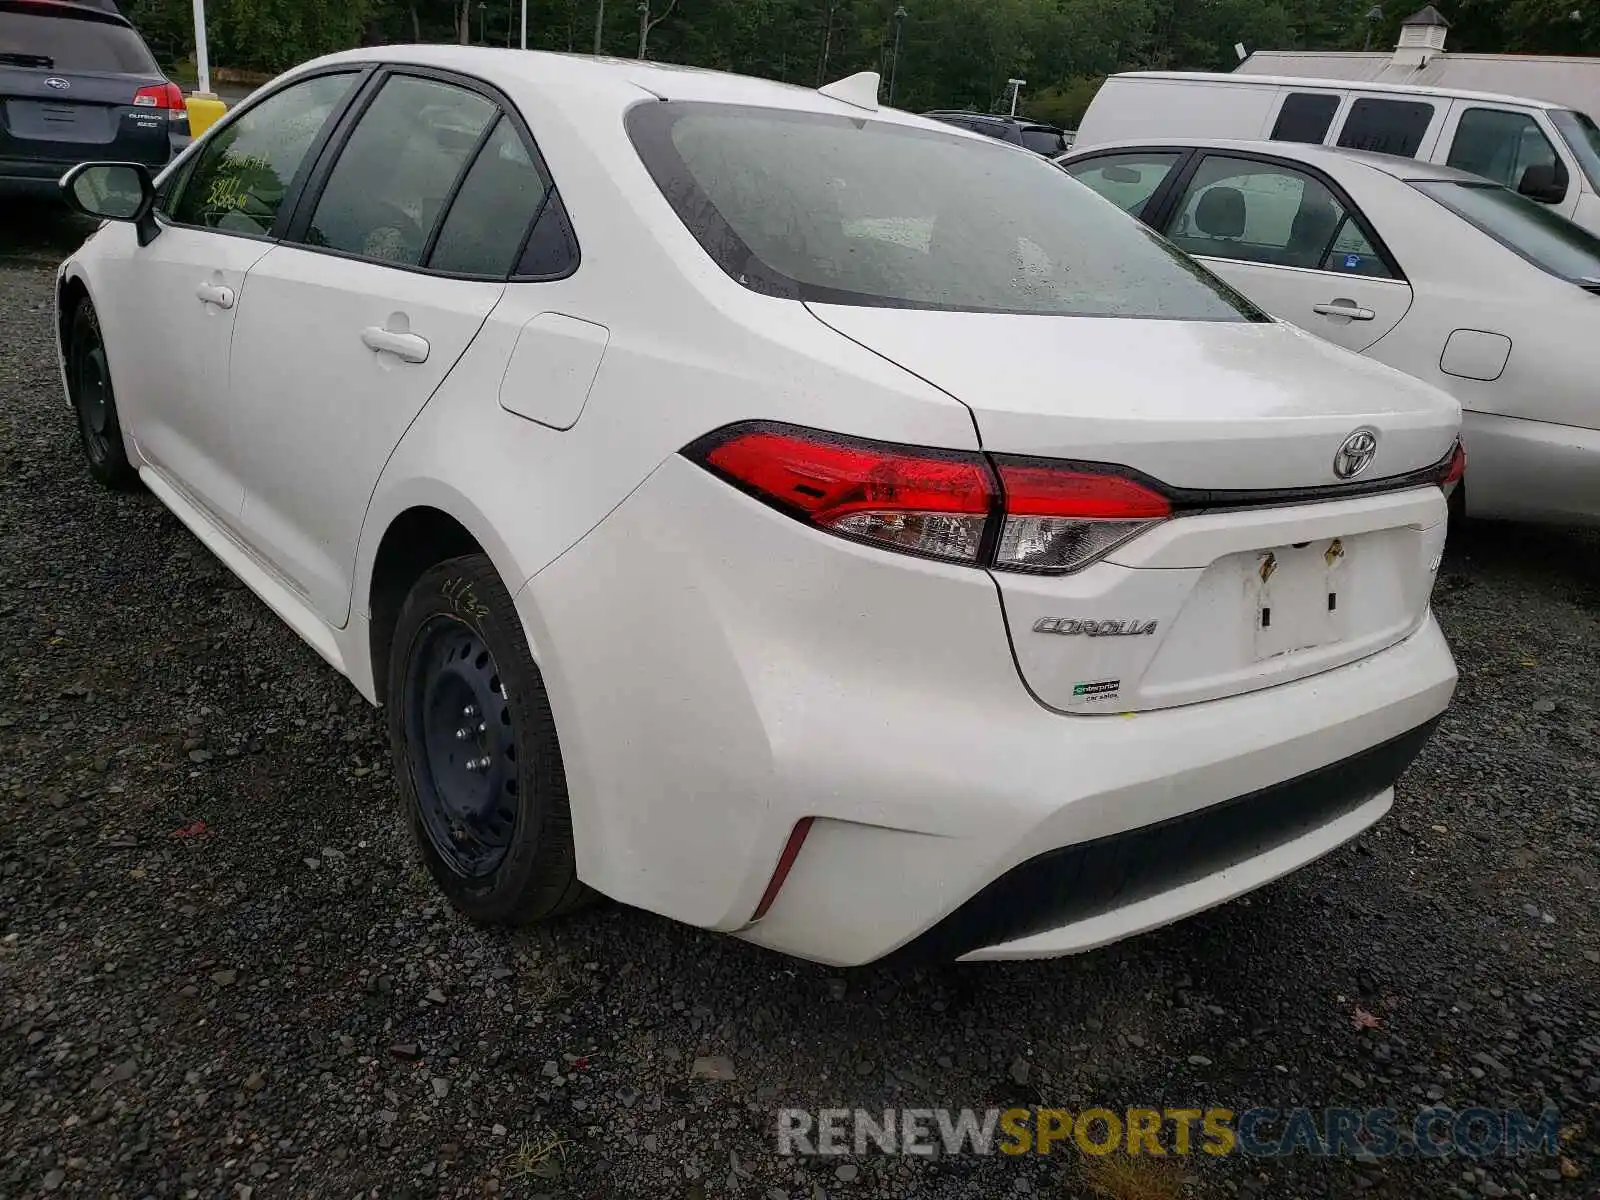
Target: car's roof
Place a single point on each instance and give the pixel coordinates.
(1327, 157)
(997, 118)
(583, 83)
(1343, 85)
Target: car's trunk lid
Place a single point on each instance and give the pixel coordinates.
(1268, 572)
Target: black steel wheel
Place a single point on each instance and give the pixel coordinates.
(94, 400)
(463, 757)
(475, 749)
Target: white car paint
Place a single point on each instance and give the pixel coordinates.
(721, 673)
(1510, 340)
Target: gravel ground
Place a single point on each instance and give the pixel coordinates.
(222, 975)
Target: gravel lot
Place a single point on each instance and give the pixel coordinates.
(221, 974)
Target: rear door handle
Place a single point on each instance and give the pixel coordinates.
(407, 347)
(215, 293)
(1344, 308)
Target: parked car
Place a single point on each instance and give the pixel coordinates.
(1048, 140)
(77, 82)
(1460, 282)
(754, 505)
(1547, 152)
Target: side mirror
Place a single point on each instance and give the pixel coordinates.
(1544, 182)
(113, 192)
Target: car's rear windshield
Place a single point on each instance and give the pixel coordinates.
(65, 44)
(1550, 242)
(842, 210)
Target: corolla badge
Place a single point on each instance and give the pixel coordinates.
(1356, 453)
(1069, 627)
(60, 84)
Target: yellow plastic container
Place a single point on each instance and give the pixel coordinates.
(205, 110)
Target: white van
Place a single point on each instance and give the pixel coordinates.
(1549, 153)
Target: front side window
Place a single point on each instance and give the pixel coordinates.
(1386, 126)
(1305, 117)
(1550, 242)
(1501, 145)
(398, 168)
(245, 169)
(847, 210)
(1270, 214)
(1127, 180)
(1582, 137)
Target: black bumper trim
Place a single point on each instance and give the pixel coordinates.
(1083, 880)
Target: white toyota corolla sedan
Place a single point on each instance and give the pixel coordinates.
(798, 518)
(1449, 277)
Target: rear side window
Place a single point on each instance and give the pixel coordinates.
(1305, 117)
(1271, 214)
(246, 168)
(490, 214)
(397, 170)
(69, 44)
(846, 210)
(1500, 145)
(1386, 126)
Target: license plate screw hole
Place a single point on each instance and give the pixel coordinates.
(1266, 618)
(1333, 601)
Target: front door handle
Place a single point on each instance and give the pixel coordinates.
(1347, 309)
(215, 293)
(407, 347)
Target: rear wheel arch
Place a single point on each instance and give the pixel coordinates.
(416, 539)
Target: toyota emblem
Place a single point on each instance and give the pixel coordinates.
(1356, 453)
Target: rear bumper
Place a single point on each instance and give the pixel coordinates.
(718, 673)
(40, 176)
(1075, 897)
(1531, 470)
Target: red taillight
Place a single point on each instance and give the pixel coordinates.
(167, 96)
(1456, 468)
(1041, 517)
(927, 502)
(1061, 518)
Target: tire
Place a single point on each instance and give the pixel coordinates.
(94, 402)
(475, 750)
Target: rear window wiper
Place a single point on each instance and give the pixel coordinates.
(27, 60)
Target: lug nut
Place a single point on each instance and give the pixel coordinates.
(483, 727)
(470, 711)
(461, 735)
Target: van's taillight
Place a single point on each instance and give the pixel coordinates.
(161, 95)
(1060, 518)
(1037, 516)
(1456, 468)
(928, 502)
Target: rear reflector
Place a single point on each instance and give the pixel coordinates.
(1455, 469)
(791, 851)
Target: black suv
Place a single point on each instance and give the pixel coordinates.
(1047, 140)
(77, 83)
